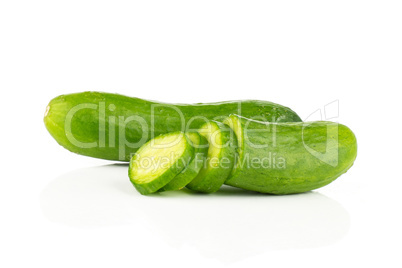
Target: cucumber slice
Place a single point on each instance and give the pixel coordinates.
(200, 145)
(158, 161)
(220, 159)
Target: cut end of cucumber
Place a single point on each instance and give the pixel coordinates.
(157, 157)
(211, 132)
(159, 161)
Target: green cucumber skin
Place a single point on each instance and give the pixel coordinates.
(193, 168)
(303, 171)
(167, 176)
(111, 145)
(211, 180)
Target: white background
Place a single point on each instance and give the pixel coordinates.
(59, 209)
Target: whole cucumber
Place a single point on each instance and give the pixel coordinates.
(112, 126)
(286, 158)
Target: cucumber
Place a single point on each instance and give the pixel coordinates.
(200, 145)
(287, 158)
(220, 159)
(159, 161)
(113, 127)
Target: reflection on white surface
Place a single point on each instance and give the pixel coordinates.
(229, 225)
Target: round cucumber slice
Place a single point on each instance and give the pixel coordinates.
(220, 159)
(158, 161)
(200, 145)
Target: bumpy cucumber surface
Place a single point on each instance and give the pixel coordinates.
(113, 127)
(200, 145)
(220, 159)
(159, 161)
(286, 158)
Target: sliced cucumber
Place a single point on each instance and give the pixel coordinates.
(160, 160)
(200, 145)
(220, 159)
(288, 158)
